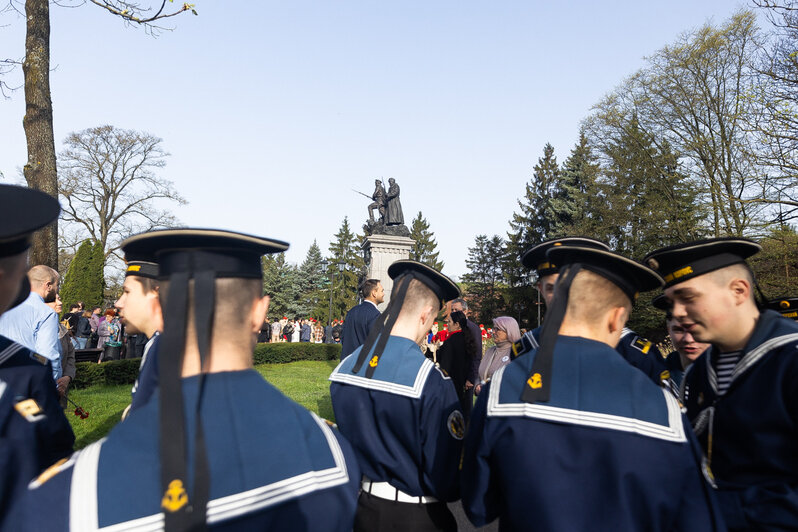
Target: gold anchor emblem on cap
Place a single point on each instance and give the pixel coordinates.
(175, 497)
(374, 361)
(535, 381)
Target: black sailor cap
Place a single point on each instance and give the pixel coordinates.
(226, 253)
(402, 272)
(628, 275)
(22, 212)
(786, 306)
(443, 287)
(535, 258)
(660, 302)
(679, 263)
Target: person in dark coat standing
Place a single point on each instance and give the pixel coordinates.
(359, 319)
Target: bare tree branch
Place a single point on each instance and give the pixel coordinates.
(110, 186)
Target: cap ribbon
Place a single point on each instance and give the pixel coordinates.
(538, 385)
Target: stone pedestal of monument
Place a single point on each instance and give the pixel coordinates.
(379, 252)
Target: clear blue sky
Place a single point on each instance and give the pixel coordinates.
(274, 111)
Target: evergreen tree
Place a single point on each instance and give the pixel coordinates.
(532, 224)
(776, 266)
(574, 193)
(484, 278)
(424, 247)
(84, 278)
(345, 249)
(280, 281)
(311, 277)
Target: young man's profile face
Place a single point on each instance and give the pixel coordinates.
(701, 308)
(136, 308)
(684, 342)
(546, 287)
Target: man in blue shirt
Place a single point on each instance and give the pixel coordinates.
(34, 324)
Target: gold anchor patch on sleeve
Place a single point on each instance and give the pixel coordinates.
(175, 496)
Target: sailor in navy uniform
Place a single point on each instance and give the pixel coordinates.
(638, 351)
(33, 430)
(216, 447)
(400, 412)
(140, 311)
(570, 436)
(741, 394)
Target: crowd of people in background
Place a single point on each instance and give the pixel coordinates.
(307, 330)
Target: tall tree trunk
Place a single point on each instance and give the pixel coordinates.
(40, 170)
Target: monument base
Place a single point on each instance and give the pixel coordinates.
(379, 252)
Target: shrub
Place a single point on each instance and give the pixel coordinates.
(282, 353)
(112, 372)
(125, 371)
(84, 278)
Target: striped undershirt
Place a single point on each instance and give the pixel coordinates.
(724, 366)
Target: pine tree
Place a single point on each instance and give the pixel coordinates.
(484, 279)
(574, 193)
(84, 278)
(345, 249)
(424, 247)
(531, 225)
(310, 276)
(281, 283)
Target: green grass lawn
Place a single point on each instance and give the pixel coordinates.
(305, 382)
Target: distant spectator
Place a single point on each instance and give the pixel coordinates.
(67, 354)
(72, 317)
(288, 331)
(336, 331)
(34, 324)
(295, 334)
(456, 357)
(94, 322)
(360, 318)
(305, 331)
(276, 329)
(265, 332)
(459, 305)
(505, 332)
(107, 328)
(83, 330)
(327, 337)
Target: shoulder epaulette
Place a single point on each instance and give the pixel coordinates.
(524, 345)
(41, 359)
(641, 344)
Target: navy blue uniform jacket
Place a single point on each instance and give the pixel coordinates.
(635, 349)
(30, 376)
(754, 426)
(609, 451)
(357, 325)
(404, 423)
(19, 451)
(273, 466)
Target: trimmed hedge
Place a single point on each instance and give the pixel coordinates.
(111, 372)
(282, 353)
(126, 371)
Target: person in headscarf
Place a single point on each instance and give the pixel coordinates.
(505, 332)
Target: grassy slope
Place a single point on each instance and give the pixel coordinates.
(304, 382)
